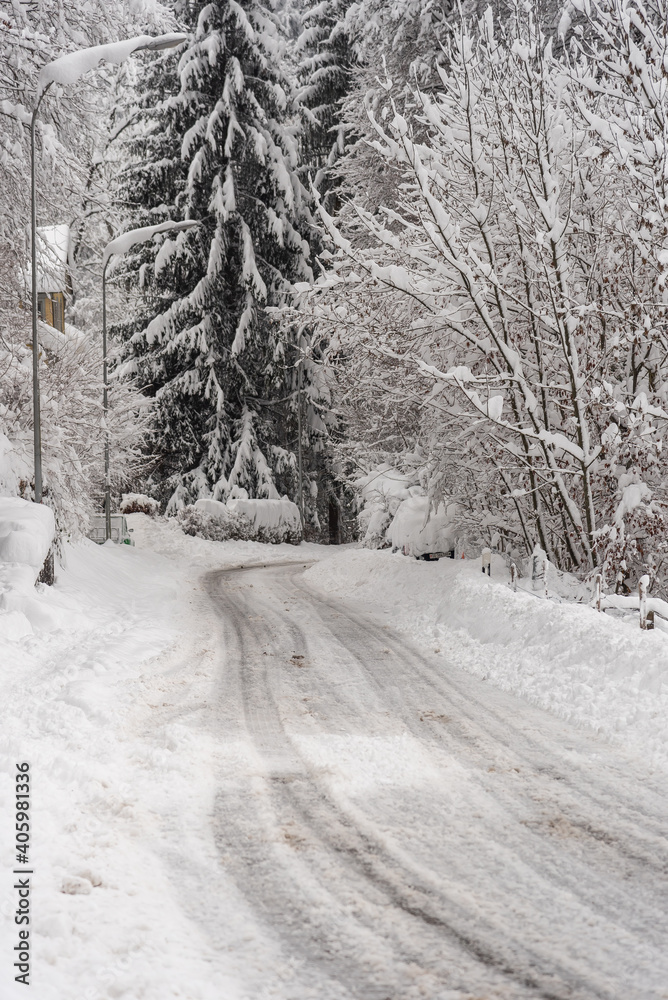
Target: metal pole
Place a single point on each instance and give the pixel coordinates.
(105, 409)
(299, 432)
(36, 418)
(36, 415)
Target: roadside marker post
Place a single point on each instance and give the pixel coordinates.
(646, 620)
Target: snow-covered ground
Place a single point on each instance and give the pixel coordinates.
(584, 666)
(106, 703)
(110, 700)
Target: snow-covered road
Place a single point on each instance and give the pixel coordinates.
(400, 829)
(330, 783)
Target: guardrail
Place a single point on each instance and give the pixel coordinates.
(647, 607)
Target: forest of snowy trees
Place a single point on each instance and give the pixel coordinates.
(431, 237)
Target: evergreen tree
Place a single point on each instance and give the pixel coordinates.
(222, 151)
(327, 58)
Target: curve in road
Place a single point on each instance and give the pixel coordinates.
(408, 831)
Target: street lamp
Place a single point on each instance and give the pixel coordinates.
(121, 245)
(67, 69)
(299, 443)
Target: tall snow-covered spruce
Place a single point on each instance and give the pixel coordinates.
(222, 151)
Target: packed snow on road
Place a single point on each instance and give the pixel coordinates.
(317, 772)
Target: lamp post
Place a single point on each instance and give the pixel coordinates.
(37, 422)
(67, 69)
(299, 442)
(120, 245)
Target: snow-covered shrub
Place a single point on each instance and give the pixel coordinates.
(273, 521)
(382, 491)
(215, 527)
(139, 503)
(269, 521)
(636, 543)
(417, 529)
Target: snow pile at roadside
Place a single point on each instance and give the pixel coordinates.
(584, 666)
(26, 534)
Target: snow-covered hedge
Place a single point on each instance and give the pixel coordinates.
(220, 526)
(273, 521)
(270, 521)
(139, 503)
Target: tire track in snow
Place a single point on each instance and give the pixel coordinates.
(635, 839)
(482, 724)
(300, 795)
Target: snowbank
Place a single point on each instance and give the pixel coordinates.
(589, 668)
(26, 535)
(164, 535)
(26, 532)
